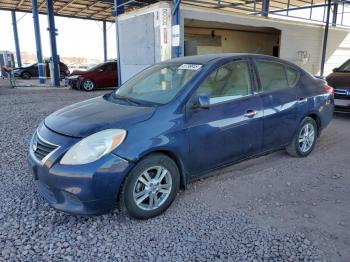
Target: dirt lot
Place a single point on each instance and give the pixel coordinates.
(273, 208)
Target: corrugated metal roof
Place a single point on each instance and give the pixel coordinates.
(87, 9)
(102, 9)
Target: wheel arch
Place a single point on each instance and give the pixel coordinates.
(317, 119)
(172, 155)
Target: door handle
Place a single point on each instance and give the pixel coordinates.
(250, 113)
(302, 100)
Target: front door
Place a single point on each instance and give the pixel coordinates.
(231, 128)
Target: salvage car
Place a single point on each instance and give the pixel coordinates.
(100, 76)
(29, 71)
(340, 81)
(171, 124)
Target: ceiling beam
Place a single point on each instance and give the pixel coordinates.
(20, 4)
(66, 5)
(104, 10)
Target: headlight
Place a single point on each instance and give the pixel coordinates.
(93, 147)
(74, 77)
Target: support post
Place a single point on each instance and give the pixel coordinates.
(104, 40)
(116, 13)
(52, 32)
(176, 31)
(335, 14)
(265, 8)
(38, 41)
(325, 38)
(15, 35)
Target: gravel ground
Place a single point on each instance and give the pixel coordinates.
(273, 208)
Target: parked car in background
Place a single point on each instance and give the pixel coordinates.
(100, 76)
(27, 72)
(340, 81)
(173, 123)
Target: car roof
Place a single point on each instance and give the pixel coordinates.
(204, 59)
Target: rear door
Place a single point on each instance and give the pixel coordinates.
(231, 128)
(280, 103)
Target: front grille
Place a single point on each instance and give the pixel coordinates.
(342, 93)
(41, 147)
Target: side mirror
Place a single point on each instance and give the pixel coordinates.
(100, 70)
(203, 102)
(335, 69)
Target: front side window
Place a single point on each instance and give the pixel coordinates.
(158, 84)
(272, 76)
(109, 67)
(229, 82)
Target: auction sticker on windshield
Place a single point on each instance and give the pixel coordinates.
(189, 67)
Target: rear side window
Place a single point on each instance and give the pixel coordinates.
(272, 76)
(292, 76)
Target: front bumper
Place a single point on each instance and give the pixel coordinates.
(17, 73)
(342, 105)
(74, 83)
(88, 189)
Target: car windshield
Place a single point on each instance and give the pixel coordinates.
(158, 84)
(345, 67)
(94, 67)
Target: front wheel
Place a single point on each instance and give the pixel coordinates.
(88, 85)
(150, 187)
(304, 140)
(26, 75)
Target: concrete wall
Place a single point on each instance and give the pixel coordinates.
(236, 41)
(295, 36)
(144, 38)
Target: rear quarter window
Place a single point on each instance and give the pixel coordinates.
(292, 76)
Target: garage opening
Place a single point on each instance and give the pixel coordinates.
(204, 37)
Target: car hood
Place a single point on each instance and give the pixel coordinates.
(78, 72)
(339, 80)
(90, 116)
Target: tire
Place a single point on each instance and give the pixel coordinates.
(63, 75)
(26, 75)
(88, 85)
(304, 140)
(137, 199)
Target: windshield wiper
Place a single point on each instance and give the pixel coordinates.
(129, 100)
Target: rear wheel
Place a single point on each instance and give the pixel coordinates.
(150, 187)
(26, 75)
(88, 85)
(305, 139)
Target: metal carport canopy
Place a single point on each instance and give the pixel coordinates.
(102, 9)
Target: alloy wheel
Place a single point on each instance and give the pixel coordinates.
(152, 188)
(306, 137)
(88, 85)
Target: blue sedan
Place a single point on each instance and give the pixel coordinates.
(134, 148)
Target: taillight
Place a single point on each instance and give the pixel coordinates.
(329, 89)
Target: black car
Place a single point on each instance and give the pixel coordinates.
(27, 72)
(340, 81)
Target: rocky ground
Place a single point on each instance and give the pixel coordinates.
(273, 208)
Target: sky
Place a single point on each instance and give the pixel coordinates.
(76, 37)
